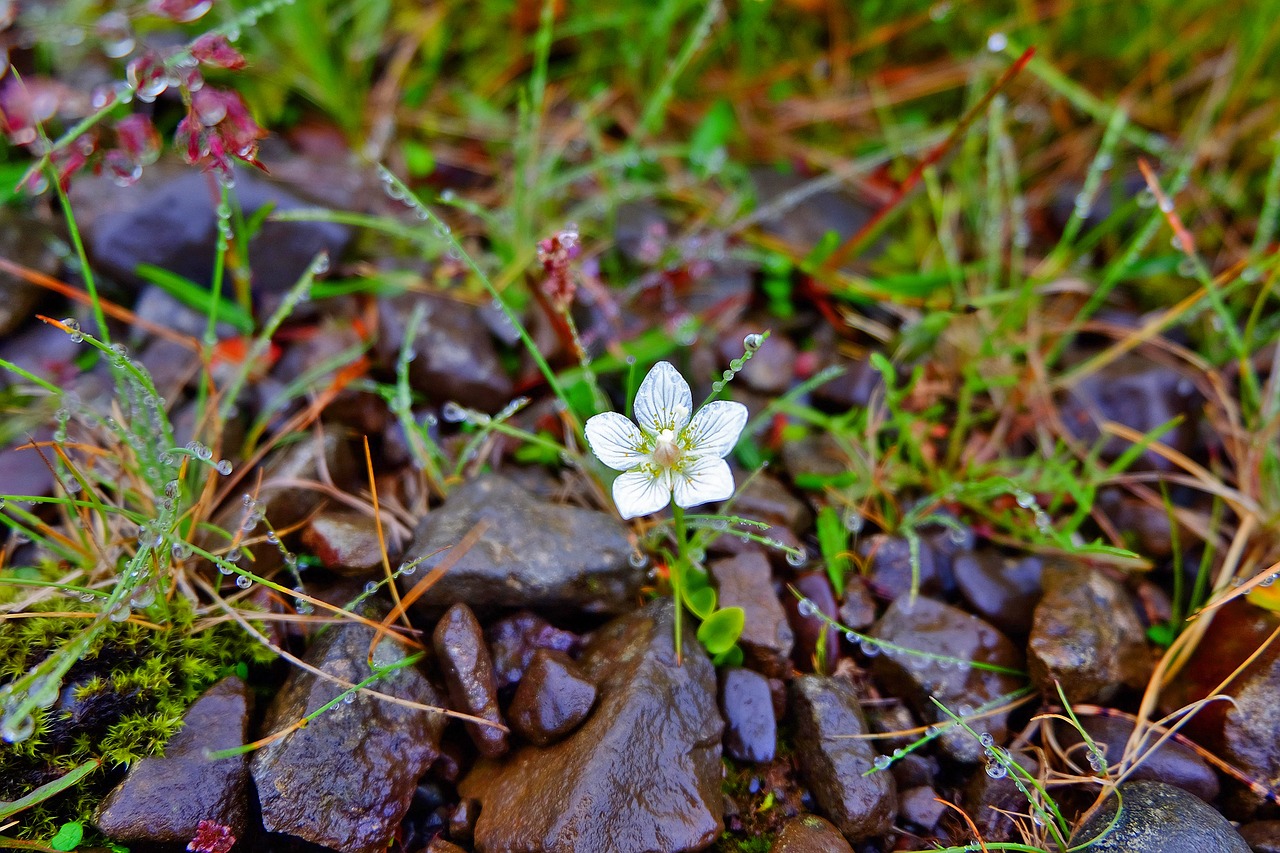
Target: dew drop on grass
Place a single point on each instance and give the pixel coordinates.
(805, 607)
(408, 568)
(752, 342)
(14, 731)
(997, 770)
(224, 467)
(797, 557)
(120, 614)
(854, 521)
(997, 42)
(882, 762)
(234, 555)
(850, 637)
(244, 581)
(370, 587)
(638, 559)
(986, 739)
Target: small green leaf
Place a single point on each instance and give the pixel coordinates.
(68, 837)
(706, 146)
(418, 159)
(833, 542)
(701, 601)
(732, 657)
(719, 631)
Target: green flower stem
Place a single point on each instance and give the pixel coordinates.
(677, 571)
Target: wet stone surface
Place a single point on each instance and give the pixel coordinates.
(1262, 836)
(347, 778)
(935, 628)
(464, 661)
(1003, 590)
(825, 711)
(642, 773)
(814, 638)
(1173, 762)
(808, 833)
(1157, 818)
(345, 542)
(989, 800)
(746, 581)
(751, 733)
(514, 641)
(164, 799)
(1086, 636)
(530, 554)
(891, 570)
(553, 697)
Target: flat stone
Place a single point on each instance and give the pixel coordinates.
(164, 799)
(921, 807)
(531, 554)
(766, 498)
(346, 779)
(468, 672)
(1001, 589)
(552, 699)
(934, 628)
(642, 773)
(1156, 818)
(825, 712)
(28, 242)
(456, 359)
(746, 581)
(808, 833)
(1086, 636)
(751, 733)
(171, 223)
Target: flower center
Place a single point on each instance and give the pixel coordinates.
(666, 452)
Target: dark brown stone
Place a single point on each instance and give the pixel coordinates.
(552, 699)
(468, 673)
(345, 542)
(808, 833)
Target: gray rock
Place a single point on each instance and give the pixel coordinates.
(515, 640)
(1173, 762)
(163, 800)
(921, 807)
(939, 629)
(530, 554)
(346, 779)
(642, 773)
(1086, 636)
(745, 581)
(345, 542)
(456, 359)
(825, 712)
(1003, 590)
(468, 672)
(173, 225)
(890, 572)
(1156, 818)
(751, 733)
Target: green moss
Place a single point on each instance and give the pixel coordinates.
(120, 702)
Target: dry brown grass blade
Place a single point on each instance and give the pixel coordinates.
(382, 543)
(465, 544)
(973, 827)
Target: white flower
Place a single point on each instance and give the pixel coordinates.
(668, 454)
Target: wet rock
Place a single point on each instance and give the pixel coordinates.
(825, 712)
(989, 800)
(462, 822)
(745, 581)
(530, 554)
(44, 350)
(347, 778)
(173, 225)
(1146, 528)
(171, 365)
(29, 243)
(1086, 636)
(1173, 762)
(765, 498)
(751, 733)
(1156, 818)
(164, 799)
(921, 807)
(808, 833)
(552, 699)
(858, 608)
(456, 359)
(642, 773)
(157, 307)
(345, 542)
(439, 845)
(1139, 393)
(890, 569)
(1240, 731)
(468, 672)
(852, 389)
(513, 641)
(1001, 589)
(1262, 836)
(816, 640)
(935, 628)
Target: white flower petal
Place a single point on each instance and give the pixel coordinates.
(615, 441)
(701, 481)
(642, 492)
(664, 400)
(715, 429)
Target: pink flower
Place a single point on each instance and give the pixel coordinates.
(213, 49)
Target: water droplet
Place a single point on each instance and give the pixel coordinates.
(997, 771)
(997, 42)
(1025, 499)
(453, 413)
(882, 762)
(796, 557)
(638, 559)
(1166, 205)
(805, 607)
(121, 613)
(181, 550)
(752, 342)
(224, 467)
(320, 265)
(370, 587)
(986, 739)
(234, 555)
(244, 581)
(850, 637)
(408, 567)
(854, 521)
(16, 730)
(870, 647)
